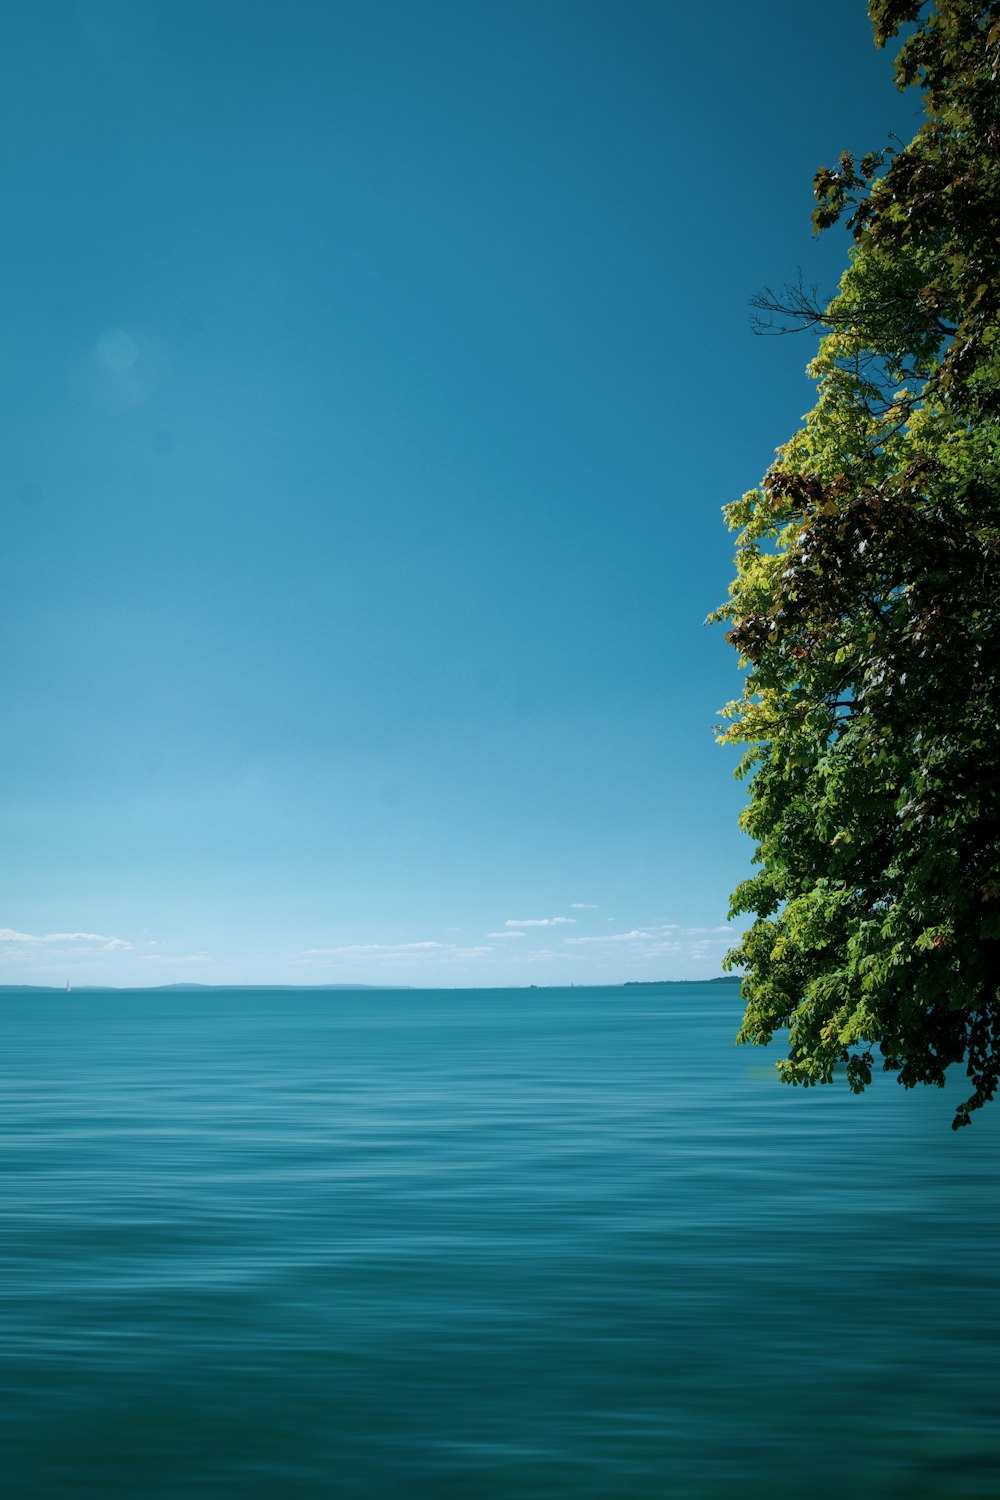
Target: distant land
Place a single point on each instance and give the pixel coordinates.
(83, 989)
(717, 979)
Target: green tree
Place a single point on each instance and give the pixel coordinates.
(866, 610)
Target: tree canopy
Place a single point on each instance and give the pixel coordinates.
(866, 609)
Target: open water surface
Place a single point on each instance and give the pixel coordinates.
(478, 1245)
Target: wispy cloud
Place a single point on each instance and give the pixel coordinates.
(506, 934)
(613, 937)
(388, 950)
(107, 944)
(721, 929)
(179, 958)
(539, 922)
(583, 906)
(374, 948)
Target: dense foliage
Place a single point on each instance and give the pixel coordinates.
(866, 609)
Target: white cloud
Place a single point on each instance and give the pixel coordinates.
(613, 937)
(583, 905)
(374, 948)
(391, 950)
(540, 922)
(180, 958)
(109, 944)
(723, 929)
(506, 934)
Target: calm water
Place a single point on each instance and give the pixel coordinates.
(480, 1244)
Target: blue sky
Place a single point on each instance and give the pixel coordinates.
(374, 376)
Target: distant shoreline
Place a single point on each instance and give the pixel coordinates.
(182, 989)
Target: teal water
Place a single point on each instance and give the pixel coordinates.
(471, 1244)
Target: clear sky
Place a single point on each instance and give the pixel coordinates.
(373, 377)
